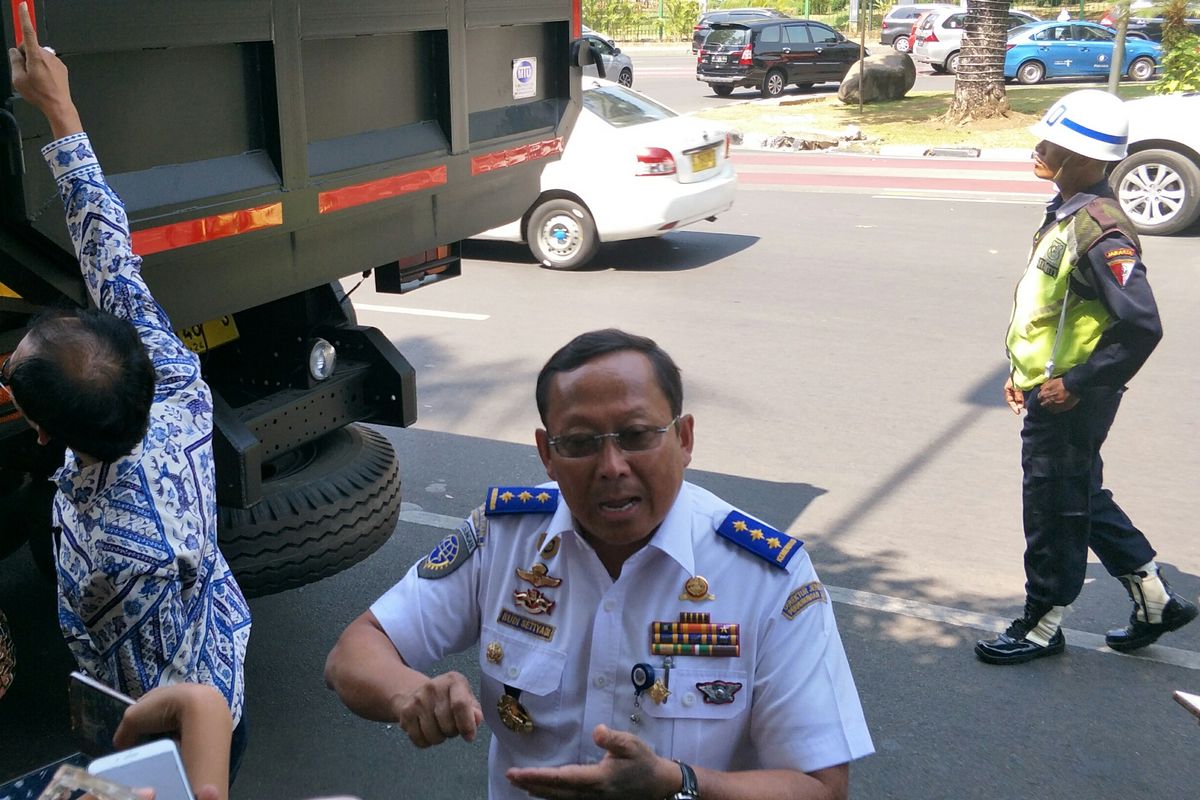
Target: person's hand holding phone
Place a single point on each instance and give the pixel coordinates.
(198, 717)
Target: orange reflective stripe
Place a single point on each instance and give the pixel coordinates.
(516, 155)
(206, 229)
(382, 189)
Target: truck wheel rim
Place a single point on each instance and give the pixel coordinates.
(1152, 194)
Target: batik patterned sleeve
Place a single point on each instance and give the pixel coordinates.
(99, 229)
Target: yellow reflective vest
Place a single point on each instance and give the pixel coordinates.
(1036, 348)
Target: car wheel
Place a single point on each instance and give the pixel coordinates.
(901, 44)
(626, 77)
(952, 63)
(805, 86)
(721, 89)
(773, 83)
(938, 69)
(1159, 190)
(1142, 69)
(562, 234)
(1031, 72)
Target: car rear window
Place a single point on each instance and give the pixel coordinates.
(734, 37)
(622, 108)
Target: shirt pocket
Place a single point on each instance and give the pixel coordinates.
(534, 671)
(702, 694)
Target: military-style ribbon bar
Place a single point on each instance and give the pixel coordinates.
(695, 638)
(764, 541)
(520, 500)
(694, 627)
(714, 650)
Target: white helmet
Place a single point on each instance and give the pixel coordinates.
(1090, 122)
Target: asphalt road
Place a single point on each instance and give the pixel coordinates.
(843, 356)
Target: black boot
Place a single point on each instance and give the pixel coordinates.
(1011, 647)
(1140, 631)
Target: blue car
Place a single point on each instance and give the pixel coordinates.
(1074, 49)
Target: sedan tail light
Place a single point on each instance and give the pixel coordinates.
(655, 161)
(746, 59)
(931, 37)
(1009, 46)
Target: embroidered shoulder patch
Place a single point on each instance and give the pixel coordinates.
(1120, 263)
(520, 500)
(802, 598)
(764, 541)
(450, 553)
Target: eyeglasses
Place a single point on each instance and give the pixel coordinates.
(630, 440)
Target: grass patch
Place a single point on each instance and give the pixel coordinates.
(914, 119)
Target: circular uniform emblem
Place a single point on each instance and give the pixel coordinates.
(696, 588)
(444, 554)
(495, 653)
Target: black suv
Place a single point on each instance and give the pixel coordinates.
(768, 55)
(705, 23)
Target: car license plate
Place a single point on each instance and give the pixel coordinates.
(705, 159)
(215, 332)
(719, 59)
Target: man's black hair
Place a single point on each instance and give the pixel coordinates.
(86, 380)
(588, 346)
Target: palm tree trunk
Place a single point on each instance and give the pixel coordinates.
(979, 82)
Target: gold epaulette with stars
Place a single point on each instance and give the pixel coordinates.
(762, 540)
(520, 500)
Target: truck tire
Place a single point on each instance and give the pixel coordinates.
(330, 504)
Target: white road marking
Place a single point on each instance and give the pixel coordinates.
(1187, 659)
(420, 312)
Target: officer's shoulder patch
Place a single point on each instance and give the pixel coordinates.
(520, 500)
(759, 538)
(451, 552)
(803, 597)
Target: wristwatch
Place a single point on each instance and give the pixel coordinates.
(689, 791)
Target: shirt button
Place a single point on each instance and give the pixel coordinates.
(513, 672)
(600, 681)
(689, 700)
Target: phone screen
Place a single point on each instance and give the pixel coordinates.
(96, 711)
(155, 766)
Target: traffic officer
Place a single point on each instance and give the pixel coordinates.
(638, 637)
(1084, 321)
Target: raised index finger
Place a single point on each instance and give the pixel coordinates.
(28, 32)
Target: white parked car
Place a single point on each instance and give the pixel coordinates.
(1158, 183)
(632, 168)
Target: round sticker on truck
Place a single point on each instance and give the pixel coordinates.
(524, 77)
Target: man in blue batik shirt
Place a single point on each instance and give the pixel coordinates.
(145, 597)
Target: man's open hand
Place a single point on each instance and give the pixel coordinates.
(630, 770)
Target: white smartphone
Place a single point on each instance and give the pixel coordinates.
(155, 765)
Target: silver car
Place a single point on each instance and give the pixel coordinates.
(618, 67)
(940, 36)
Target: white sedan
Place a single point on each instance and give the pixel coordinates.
(1158, 183)
(632, 168)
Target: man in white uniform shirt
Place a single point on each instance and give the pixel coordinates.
(638, 637)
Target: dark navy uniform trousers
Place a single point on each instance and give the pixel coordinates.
(1066, 508)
